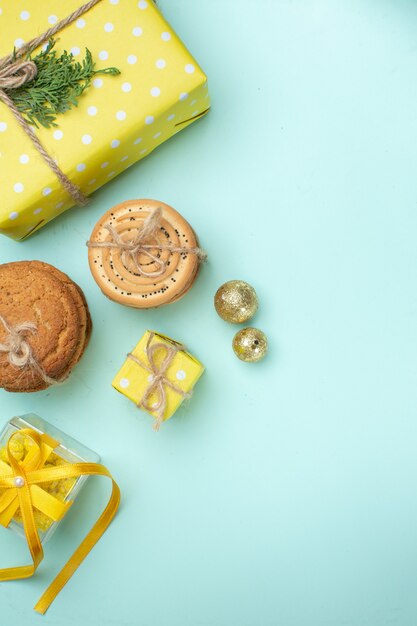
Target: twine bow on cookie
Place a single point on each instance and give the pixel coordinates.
(142, 244)
(16, 71)
(21, 484)
(18, 350)
(159, 380)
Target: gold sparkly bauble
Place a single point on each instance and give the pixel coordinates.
(250, 345)
(236, 301)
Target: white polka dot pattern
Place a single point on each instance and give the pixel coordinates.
(118, 121)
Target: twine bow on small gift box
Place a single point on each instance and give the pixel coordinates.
(159, 382)
(158, 375)
(21, 488)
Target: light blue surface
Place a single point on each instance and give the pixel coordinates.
(284, 493)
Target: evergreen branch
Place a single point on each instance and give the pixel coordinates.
(57, 87)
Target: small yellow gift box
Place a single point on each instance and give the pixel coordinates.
(119, 119)
(158, 375)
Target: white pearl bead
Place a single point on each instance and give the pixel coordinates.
(19, 481)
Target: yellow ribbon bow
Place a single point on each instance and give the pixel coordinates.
(21, 481)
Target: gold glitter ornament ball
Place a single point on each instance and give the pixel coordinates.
(250, 345)
(236, 301)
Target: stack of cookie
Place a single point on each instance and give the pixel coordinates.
(45, 326)
(144, 254)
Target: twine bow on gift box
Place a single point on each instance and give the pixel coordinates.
(144, 243)
(158, 380)
(22, 484)
(16, 70)
(17, 74)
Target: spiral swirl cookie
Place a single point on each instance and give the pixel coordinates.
(144, 254)
(45, 326)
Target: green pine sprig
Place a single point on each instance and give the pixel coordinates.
(57, 87)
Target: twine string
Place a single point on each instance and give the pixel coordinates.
(19, 351)
(159, 381)
(73, 190)
(15, 72)
(140, 245)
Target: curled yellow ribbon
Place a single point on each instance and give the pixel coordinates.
(22, 482)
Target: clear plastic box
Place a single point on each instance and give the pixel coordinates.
(68, 451)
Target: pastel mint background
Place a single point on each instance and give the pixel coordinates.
(285, 492)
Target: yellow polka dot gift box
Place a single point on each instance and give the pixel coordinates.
(118, 120)
(158, 375)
